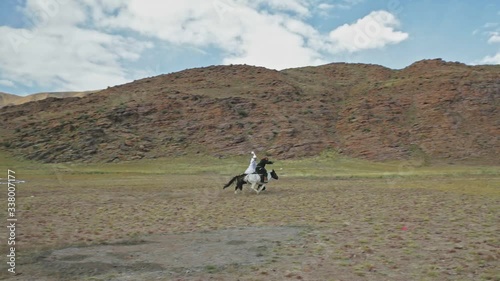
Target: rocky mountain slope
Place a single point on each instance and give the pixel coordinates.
(430, 110)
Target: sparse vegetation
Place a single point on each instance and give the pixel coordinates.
(242, 113)
(6, 144)
(83, 116)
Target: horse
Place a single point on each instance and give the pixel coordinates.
(253, 179)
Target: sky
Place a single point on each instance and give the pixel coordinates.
(78, 45)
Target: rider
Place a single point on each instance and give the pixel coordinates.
(252, 165)
(261, 169)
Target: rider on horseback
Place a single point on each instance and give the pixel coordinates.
(261, 169)
(255, 174)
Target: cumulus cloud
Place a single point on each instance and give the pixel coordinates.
(280, 45)
(56, 52)
(375, 30)
(495, 59)
(494, 37)
(85, 44)
(246, 31)
(269, 33)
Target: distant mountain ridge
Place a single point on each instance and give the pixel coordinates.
(429, 110)
(10, 99)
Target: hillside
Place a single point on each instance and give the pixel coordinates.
(430, 110)
(9, 99)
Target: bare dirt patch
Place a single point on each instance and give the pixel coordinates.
(171, 255)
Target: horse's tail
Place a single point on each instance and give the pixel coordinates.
(230, 182)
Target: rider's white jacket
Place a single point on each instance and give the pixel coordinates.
(253, 164)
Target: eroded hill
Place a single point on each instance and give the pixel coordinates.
(429, 110)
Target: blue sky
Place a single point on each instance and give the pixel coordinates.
(75, 45)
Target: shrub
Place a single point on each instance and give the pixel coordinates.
(242, 113)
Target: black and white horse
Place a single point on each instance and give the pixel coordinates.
(253, 179)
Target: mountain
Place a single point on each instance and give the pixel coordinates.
(9, 99)
(429, 110)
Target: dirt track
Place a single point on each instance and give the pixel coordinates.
(300, 229)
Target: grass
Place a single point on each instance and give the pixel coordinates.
(365, 220)
(326, 165)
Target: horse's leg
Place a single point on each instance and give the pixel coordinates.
(239, 186)
(253, 187)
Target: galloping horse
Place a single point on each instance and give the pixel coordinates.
(253, 179)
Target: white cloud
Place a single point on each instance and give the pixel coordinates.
(495, 59)
(375, 30)
(254, 32)
(490, 25)
(81, 44)
(332, 8)
(276, 45)
(7, 83)
(57, 53)
(325, 6)
(342, 4)
(494, 38)
(246, 32)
